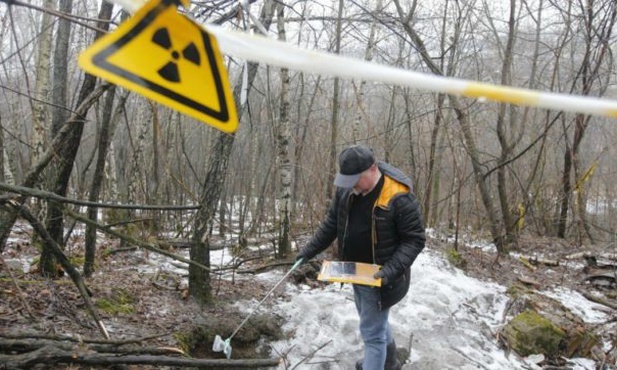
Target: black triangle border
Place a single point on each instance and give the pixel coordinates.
(100, 60)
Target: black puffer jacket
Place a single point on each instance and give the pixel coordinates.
(398, 234)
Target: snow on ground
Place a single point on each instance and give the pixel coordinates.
(450, 317)
(590, 312)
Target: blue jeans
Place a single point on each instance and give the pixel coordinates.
(374, 327)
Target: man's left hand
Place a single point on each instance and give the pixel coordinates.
(381, 275)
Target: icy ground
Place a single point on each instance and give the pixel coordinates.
(450, 318)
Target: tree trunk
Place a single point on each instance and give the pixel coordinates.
(331, 168)
(68, 151)
(283, 158)
(529, 193)
(57, 173)
(137, 184)
(111, 170)
(483, 186)
(300, 141)
(361, 116)
(432, 178)
(504, 134)
(43, 64)
(105, 136)
(199, 280)
(3, 176)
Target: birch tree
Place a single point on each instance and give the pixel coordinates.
(57, 175)
(336, 103)
(283, 157)
(40, 114)
(361, 116)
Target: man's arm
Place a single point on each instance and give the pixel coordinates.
(408, 219)
(326, 233)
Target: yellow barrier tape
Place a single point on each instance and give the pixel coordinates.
(502, 94)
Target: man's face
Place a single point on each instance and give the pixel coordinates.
(365, 183)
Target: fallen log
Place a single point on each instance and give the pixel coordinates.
(266, 267)
(53, 355)
(600, 300)
(534, 260)
(529, 281)
(579, 255)
(79, 339)
(596, 260)
(180, 243)
(22, 346)
(602, 279)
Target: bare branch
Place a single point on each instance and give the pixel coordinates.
(31, 192)
(62, 259)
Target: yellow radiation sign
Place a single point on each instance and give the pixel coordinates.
(168, 58)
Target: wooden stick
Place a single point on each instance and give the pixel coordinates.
(525, 262)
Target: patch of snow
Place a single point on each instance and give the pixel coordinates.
(589, 311)
(221, 257)
(452, 319)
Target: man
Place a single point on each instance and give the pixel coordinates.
(376, 218)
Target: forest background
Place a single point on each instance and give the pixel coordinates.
(71, 143)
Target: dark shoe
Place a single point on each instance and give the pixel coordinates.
(392, 361)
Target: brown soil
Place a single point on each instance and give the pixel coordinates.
(508, 270)
(153, 305)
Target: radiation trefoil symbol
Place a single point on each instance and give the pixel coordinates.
(170, 71)
(167, 57)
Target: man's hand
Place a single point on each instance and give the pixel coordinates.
(381, 275)
(301, 256)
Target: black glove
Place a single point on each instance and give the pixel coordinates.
(301, 255)
(381, 275)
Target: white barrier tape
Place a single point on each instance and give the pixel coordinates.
(273, 52)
